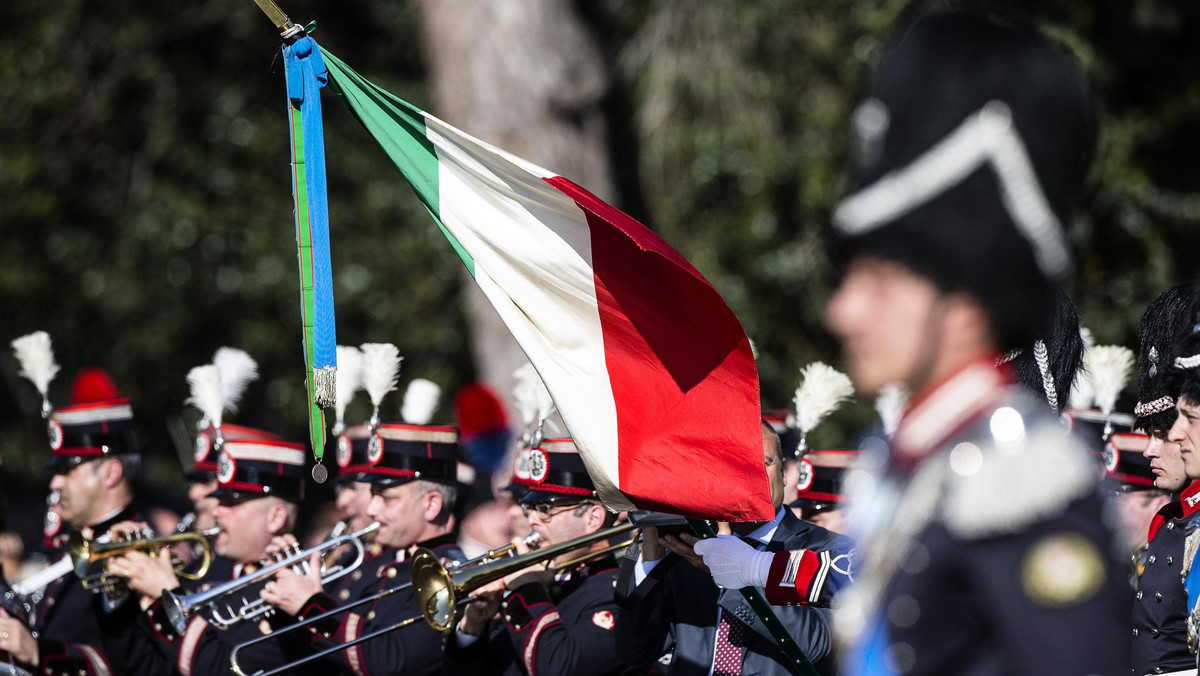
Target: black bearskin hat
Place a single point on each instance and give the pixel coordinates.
(1185, 376)
(1163, 322)
(971, 154)
(1059, 351)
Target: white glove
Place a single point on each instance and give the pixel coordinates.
(733, 563)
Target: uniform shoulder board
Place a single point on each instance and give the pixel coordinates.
(1017, 470)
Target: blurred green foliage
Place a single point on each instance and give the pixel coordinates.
(145, 205)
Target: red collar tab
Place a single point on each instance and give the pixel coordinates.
(1189, 499)
(949, 406)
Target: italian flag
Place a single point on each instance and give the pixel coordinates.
(649, 368)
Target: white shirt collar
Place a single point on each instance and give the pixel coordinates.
(765, 532)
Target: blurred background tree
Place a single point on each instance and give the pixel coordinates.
(145, 208)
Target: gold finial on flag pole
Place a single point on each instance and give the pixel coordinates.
(286, 28)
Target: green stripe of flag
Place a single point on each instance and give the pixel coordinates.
(399, 128)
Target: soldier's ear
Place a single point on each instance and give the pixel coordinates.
(111, 472)
(277, 518)
(433, 505)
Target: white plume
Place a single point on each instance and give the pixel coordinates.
(237, 370)
(420, 401)
(380, 370)
(1082, 392)
(1110, 367)
(1085, 334)
(823, 388)
(36, 355)
(204, 383)
(890, 404)
(532, 398)
(349, 378)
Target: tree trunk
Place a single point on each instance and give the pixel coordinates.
(528, 77)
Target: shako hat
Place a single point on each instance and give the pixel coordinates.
(97, 422)
(970, 155)
(208, 447)
(260, 468)
(399, 452)
(552, 471)
(822, 479)
(1125, 468)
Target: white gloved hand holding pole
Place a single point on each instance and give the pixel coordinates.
(733, 563)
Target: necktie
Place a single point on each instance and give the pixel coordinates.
(731, 638)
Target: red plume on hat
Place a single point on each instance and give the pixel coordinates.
(478, 410)
(93, 384)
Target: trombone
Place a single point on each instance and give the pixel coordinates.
(83, 553)
(181, 606)
(441, 589)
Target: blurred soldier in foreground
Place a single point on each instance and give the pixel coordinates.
(982, 542)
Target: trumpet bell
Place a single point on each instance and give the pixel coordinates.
(438, 589)
(433, 588)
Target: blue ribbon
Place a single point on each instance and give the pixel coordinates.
(306, 74)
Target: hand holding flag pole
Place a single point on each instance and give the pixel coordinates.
(306, 75)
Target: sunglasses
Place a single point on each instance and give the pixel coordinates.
(548, 510)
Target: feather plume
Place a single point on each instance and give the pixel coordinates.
(890, 404)
(823, 388)
(36, 355)
(237, 370)
(420, 401)
(349, 381)
(204, 384)
(380, 370)
(1110, 367)
(531, 396)
(1085, 334)
(1082, 392)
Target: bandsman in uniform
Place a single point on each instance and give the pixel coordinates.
(982, 540)
(260, 484)
(1159, 633)
(551, 620)
(412, 473)
(94, 458)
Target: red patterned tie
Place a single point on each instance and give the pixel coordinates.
(731, 637)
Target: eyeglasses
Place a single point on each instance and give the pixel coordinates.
(548, 510)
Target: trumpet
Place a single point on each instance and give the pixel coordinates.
(179, 607)
(83, 553)
(486, 557)
(441, 589)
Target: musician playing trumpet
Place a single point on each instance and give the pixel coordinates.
(95, 457)
(412, 476)
(554, 619)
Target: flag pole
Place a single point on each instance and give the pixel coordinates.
(287, 29)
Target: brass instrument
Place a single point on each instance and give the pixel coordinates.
(441, 589)
(486, 557)
(83, 553)
(181, 606)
